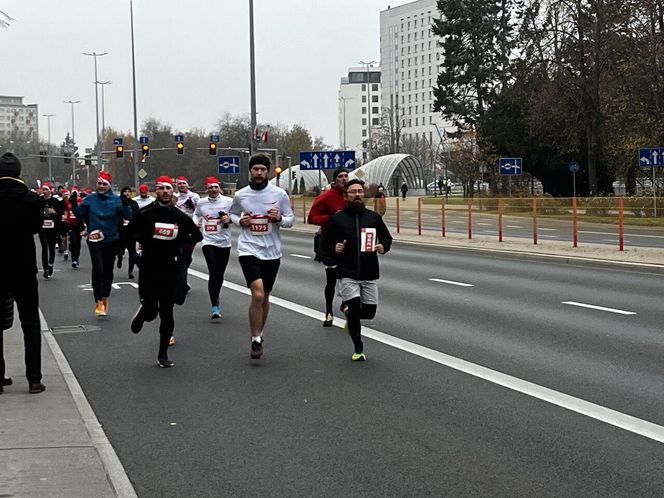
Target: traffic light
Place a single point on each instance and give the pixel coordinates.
(67, 159)
(42, 156)
(179, 148)
(278, 170)
(293, 175)
(145, 150)
(119, 151)
(212, 149)
(88, 159)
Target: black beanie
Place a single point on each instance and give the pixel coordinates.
(261, 159)
(336, 172)
(10, 165)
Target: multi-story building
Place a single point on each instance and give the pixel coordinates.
(410, 57)
(359, 109)
(17, 120)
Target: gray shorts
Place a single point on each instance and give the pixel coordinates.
(366, 290)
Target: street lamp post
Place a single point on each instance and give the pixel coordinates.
(103, 110)
(133, 76)
(48, 147)
(368, 66)
(73, 139)
(244, 173)
(97, 149)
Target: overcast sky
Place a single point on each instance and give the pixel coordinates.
(192, 60)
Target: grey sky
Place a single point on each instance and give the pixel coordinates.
(192, 59)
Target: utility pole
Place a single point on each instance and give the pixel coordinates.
(73, 139)
(48, 147)
(97, 145)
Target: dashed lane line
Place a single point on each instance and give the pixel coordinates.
(451, 282)
(301, 256)
(599, 308)
(577, 405)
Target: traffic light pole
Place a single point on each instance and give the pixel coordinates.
(133, 74)
(244, 170)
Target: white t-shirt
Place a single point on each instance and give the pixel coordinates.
(261, 238)
(142, 202)
(181, 201)
(207, 217)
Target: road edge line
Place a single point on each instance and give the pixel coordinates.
(115, 472)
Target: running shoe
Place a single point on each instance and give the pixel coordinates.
(105, 301)
(66, 255)
(171, 342)
(46, 274)
(358, 357)
(329, 319)
(100, 310)
(130, 276)
(138, 321)
(74, 264)
(37, 388)
(256, 350)
(216, 312)
(164, 362)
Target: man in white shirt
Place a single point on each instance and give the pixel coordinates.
(260, 209)
(211, 216)
(144, 198)
(186, 200)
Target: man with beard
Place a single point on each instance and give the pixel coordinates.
(102, 213)
(260, 209)
(325, 205)
(356, 235)
(163, 233)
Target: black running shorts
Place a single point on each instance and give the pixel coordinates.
(265, 269)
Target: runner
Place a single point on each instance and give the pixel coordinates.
(51, 228)
(102, 212)
(144, 198)
(163, 232)
(356, 235)
(124, 243)
(260, 209)
(185, 199)
(324, 206)
(74, 226)
(212, 217)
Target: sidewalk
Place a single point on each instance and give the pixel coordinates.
(51, 444)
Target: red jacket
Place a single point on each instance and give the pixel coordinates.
(325, 205)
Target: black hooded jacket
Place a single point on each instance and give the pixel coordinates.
(21, 216)
(347, 225)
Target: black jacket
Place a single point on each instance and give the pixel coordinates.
(347, 225)
(21, 215)
(59, 207)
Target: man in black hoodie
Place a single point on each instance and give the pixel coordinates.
(21, 215)
(357, 235)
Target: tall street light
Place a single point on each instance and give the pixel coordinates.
(97, 149)
(133, 75)
(73, 139)
(103, 111)
(48, 146)
(244, 172)
(368, 66)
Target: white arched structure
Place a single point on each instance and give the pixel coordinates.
(304, 179)
(381, 170)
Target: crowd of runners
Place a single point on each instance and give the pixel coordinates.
(158, 233)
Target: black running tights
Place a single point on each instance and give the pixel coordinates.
(48, 237)
(102, 256)
(164, 309)
(330, 284)
(217, 260)
(357, 310)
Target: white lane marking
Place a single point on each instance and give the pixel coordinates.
(486, 224)
(301, 256)
(577, 405)
(513, 226)
(547, 229)
(545, 236)
(459, 222)
(451, 282)
(109, 458)
(600, 308)
(616, 234)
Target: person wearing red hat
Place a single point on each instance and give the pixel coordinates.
(211, 215)
(185, 199)
(102, 212)
(51, 228)
(260, 209)
(163, 233)
(143, 198)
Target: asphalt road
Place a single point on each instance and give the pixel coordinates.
(542, 418)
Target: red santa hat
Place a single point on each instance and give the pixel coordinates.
(64, 191)
(163, 181)
(143, 188)
(182, 179)
(104, 177)
(211, 181)
(47, 185)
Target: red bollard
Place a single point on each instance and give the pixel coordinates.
(500, 220)
(419, 216)
(534, 221)
(621, 239)
(470, 218)
(574, 226)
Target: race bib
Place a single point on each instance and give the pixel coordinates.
(48, 224)
(368, 240)
(95, 236)
(260, 225)
(125, 222)
(211, 227)
(165, 231)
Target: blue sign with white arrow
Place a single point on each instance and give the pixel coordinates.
(509, 166)
(327, 159)
(117, 141)
(651, 156)
(144, 140)
(179, 138)
(228, 164)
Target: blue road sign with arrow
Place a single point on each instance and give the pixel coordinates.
(228, 164)
(117, 141)
(143, 140)
(651, 156)
(327, 159)
(509, 166)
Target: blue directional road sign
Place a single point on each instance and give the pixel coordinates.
(179, 138)
(117, 141)
(327, 159)
(651, 156)
(214, 138)
(509, 166)
(228, 164)
(144, 140)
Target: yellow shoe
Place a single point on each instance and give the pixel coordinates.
(100, 309)
(105, 301)
(172, 341)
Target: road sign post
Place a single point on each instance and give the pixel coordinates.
(574, 168)
(652, 156)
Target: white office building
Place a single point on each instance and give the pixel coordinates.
(17, 120)
(410, 58)
(359, 109)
